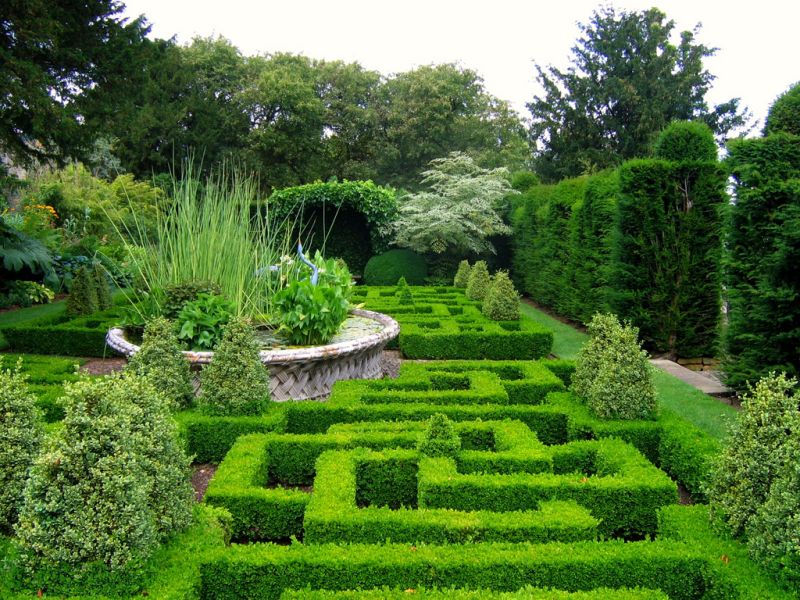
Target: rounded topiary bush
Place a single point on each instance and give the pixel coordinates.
(502, 300)
(20, 437)
(784, 114)
(112, 483)
(82, 299)
(160, 358)
(522, 181)
(686, 141)
(439, 438)
(754, 455)
(478, 282)
(387, 268)
(612, 372)
(235, 383)
(462, 275)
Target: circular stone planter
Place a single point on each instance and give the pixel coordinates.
(305, 373)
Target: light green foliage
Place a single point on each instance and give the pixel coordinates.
(458, 212)
(312, 314)
(102, 288)
(20, 436)
(160, 359)
(479, 281)
(686, 141)
(178, 294)
(462, 275)
(784, 114)
(439, 437)
(235, 383)
(772, 533)
(82, 299)
(754, 456)
(201, 321)
(522, 181)
(612, 372)
(111, 483)
(502, 300)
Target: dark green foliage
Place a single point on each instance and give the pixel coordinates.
(763, 258)
(235, 383)
(82, 298)
(160, 358)
(666, 273)
(522, 181)
(177, 295)
(526, 593)
(784, 114)
(478, 282)
(201, 322)
(100, 275)
(612, 372)
(20, 437)
(502, 301)
(439, 438)
(685, 141)
(328, 214)
(387, 268)
(461, 278)
(21, 253)
(627, 81)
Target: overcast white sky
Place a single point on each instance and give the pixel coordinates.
(500, 39)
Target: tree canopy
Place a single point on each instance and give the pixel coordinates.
(627, 81)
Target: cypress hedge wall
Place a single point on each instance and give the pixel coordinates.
(642, 240)
(763, 258)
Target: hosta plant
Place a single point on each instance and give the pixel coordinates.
(200, 322)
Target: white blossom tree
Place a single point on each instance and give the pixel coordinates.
(459, 210)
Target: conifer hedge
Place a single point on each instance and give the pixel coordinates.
(763, 259)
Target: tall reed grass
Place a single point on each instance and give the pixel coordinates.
(218, 231)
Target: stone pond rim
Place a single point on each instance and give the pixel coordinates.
(304, 373)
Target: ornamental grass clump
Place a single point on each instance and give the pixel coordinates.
(439, 438)
(235, 383)
(82, 299)
(478, 282)
(612, 372)
(462, 275)
(111, 484)
(160, 359)
(754, 456)
(20, 437)
(502, 300)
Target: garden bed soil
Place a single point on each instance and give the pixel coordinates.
(201, 476)
(103, 366)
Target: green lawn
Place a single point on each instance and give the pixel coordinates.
(705, 412)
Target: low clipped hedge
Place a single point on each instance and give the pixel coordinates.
(267, 570)
(527, 593)
(389, 267)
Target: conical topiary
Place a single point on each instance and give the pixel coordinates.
(404, 294)
(102, 287)
(439, 438)
(161, 360)
(82, 299)
(20, 437)
(235, 383)
(478, 282)
(462, 275)
(502, 300)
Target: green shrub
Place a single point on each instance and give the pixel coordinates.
(105, 490)
(462, 275)
(522, 181)
(686, 141)
(502, 300)
(160, 358)
(235, 383)
(784, 114)
(82, 299)
(772, 532)
(439, 438)
(404, 295)
(387, 268)
(754, 455)
(100, 275)
(612, 372)
(201, 322)
(178, 294)
(20, 437)
(478, 282)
